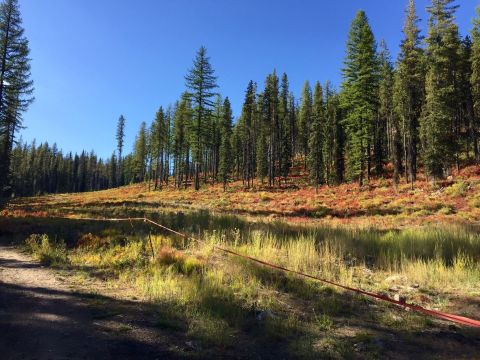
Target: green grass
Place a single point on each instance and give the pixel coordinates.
(49, 253)
(224, 302)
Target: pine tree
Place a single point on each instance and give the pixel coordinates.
(439, 143)
(305, 119)
(246, 134)
(159, 139)
(215, 137)
(120, 137)
(261, 143)
(466, 129)
(182, 122)
(112, 167)
(225, 166)
(334, 138)
(140, 153)
(286, 151)
(410, 90)
(475, 80)
(292, 122)
(16, 88)
(272, 124)
(360, 97)
(201, 82)
(385, 110)
(388, 118)
(315, 141)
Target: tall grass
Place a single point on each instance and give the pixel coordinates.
(212, 296)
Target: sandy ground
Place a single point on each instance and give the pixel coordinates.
(42, 316)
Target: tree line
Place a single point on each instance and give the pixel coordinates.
(421, 110)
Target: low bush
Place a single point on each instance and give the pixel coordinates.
(457, 190)
(49, 253)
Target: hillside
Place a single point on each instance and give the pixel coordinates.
(378, 205)
(420, 245)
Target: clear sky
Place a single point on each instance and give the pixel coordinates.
(93, 60)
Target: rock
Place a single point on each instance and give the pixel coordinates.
(415, 286)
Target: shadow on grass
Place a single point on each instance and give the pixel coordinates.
(392, 330)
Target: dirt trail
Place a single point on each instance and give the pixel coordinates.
(43, 317)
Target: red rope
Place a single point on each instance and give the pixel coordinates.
(438, 314)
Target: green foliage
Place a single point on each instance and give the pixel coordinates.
(226, 161)
(360, 96)
(316, 137)
(140, 153)
(16, 86)
(458, 189)
(475, 77)
(409, 93)
(439, 143)
(120, 137)
(47, 252)
(305, 118)
(200, 82)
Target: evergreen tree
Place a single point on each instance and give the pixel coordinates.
(292, 121)
(305, 119)
(439, 143)
(286, 150)
(120, 136)
(385, 109)
(475, 80)
(140, 153)
(261, 144)
(15, 85)
(466, 127)
(410, 90)
(334, 141)
(388, 134)
(360, 97)
(315, 141)
(216, 137)
(201, 82)
(225, 166)
(112, 172)
(181, 149)
(272, 124)
(246, 134)
(159, 140)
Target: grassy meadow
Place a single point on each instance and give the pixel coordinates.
(420, 253)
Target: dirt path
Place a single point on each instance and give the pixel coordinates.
(43, 317)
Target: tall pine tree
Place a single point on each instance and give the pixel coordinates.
(305, 120)
(360, 97)
(16, 87)
(225, 166)
(200, 81)
(120, 137)
(439, 143)
(475, 80)
(315, 140)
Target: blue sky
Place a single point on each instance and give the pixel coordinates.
(93, 60)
